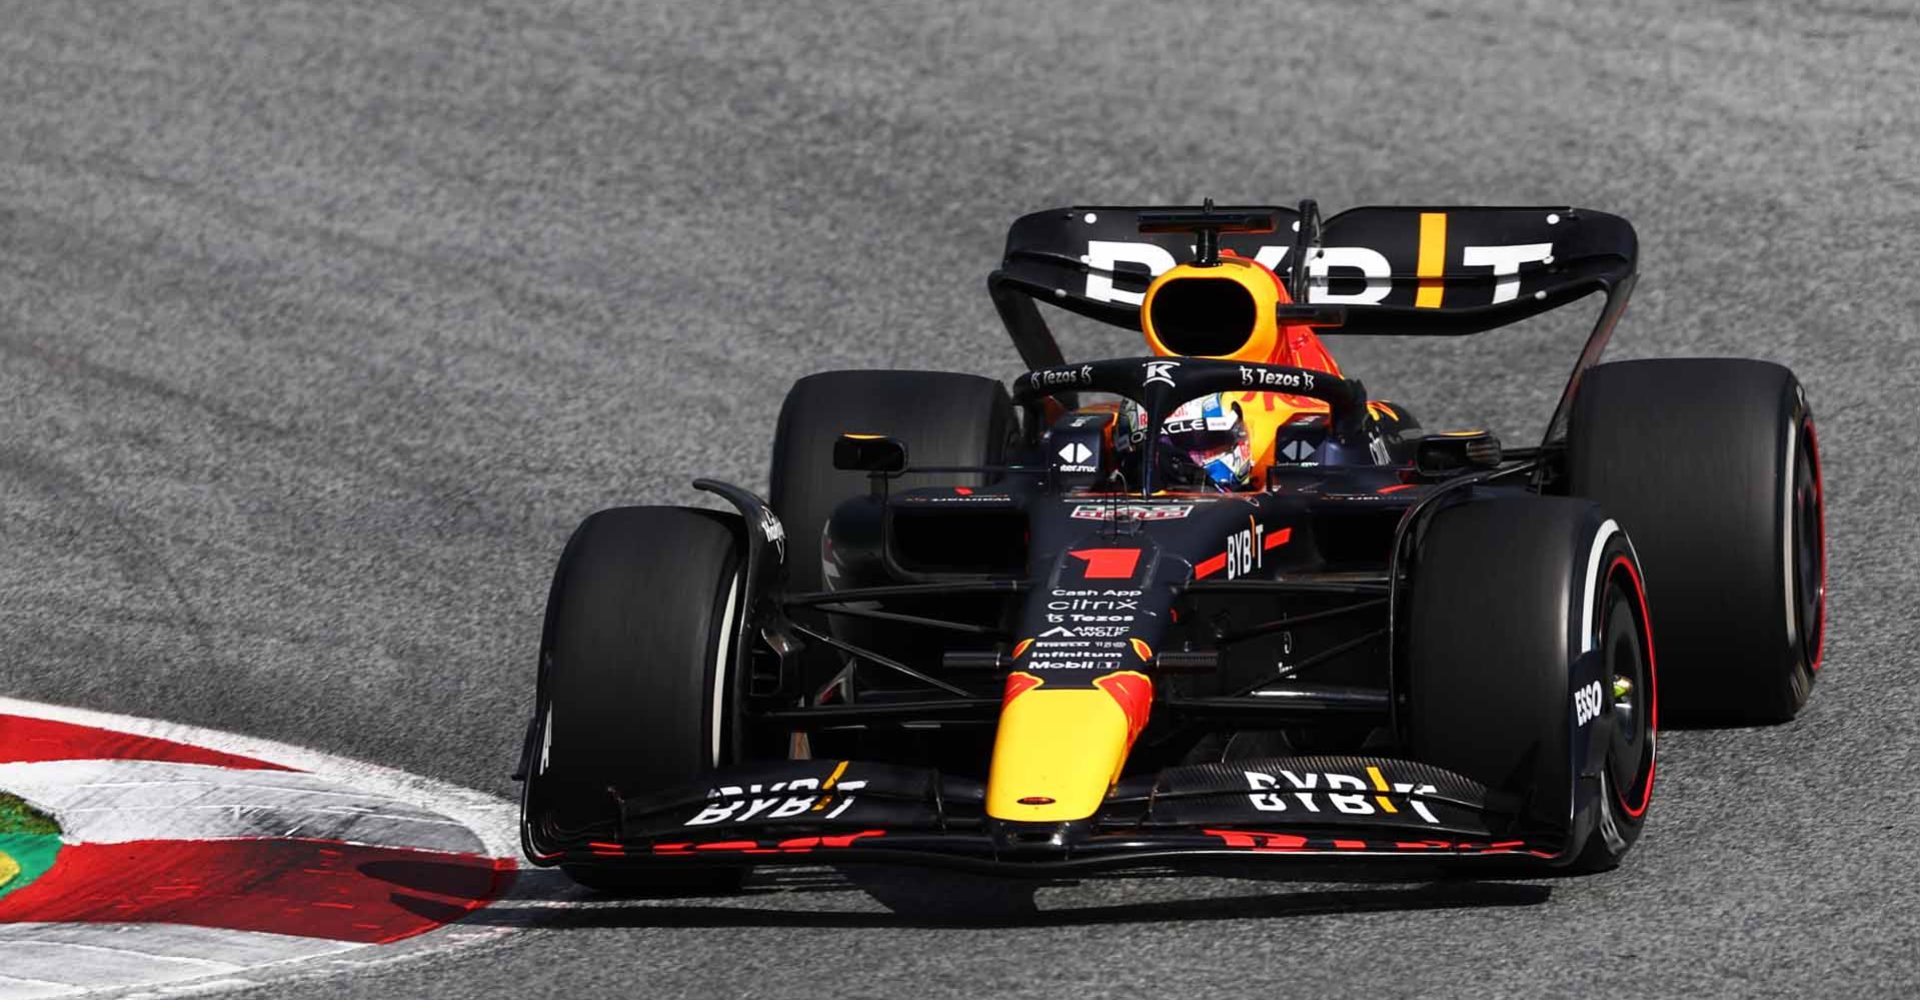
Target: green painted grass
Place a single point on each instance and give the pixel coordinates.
(29, 842)
(18, 817)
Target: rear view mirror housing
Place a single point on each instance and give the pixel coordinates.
(1453, 452)
(869, 453)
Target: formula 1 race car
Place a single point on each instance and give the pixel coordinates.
(1208, 607)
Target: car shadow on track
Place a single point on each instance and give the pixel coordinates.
(785, 898)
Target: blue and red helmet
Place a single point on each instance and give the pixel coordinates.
(1206, 438)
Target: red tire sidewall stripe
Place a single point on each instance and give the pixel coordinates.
(1653, 684)
(1820, 525)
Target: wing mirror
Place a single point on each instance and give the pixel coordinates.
(1451, 452)
(869, 453)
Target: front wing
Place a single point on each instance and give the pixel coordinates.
(1332, 811)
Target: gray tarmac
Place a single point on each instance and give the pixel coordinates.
(322, 323)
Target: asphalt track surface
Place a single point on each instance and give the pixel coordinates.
(322, 323)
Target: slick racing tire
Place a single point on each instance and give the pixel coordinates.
(1530, 668)
(634, 688)
(1713, 466)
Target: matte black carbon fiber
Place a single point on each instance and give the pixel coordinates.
(1323, 792)
(814, 794)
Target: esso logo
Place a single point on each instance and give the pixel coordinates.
(1587, 703)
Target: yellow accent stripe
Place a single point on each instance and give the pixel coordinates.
(8, 868)
(838, 770)
(1433, 260)
(1380, 785)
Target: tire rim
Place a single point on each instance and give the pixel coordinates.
(1626, 652)
(1809, 549)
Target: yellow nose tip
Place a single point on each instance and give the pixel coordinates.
(1059, 750)
(1055, 756)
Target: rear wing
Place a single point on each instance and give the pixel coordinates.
(1377, 270)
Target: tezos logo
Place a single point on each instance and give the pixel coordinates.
(1587, 703)
(1161, 372)
(1055, 376)
(1276, 380)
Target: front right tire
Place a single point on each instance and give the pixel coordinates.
(635, 691)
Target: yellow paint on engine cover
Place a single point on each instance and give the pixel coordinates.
(1059, 749)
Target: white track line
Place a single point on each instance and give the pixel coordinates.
(184, 941)
(95, 966)
(22, 988)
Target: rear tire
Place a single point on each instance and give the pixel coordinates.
(944, 418)
(634, 691)
(1713, 465)
(1514, 638)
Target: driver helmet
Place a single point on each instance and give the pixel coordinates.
(1207, 438)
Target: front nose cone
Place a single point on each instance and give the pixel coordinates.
(1059, 750)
